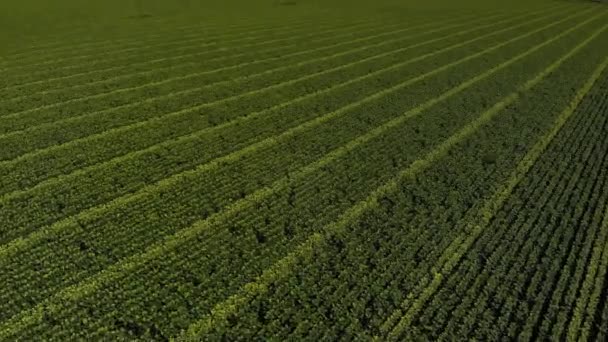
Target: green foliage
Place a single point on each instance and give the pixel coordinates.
(287, 2)
(231, 170)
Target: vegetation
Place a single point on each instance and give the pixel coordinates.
(303, 170)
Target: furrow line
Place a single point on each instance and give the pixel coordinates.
(391, 321)
(245, 64)
(183, 44)
(562, 251)
(554, 321)
(595, 299)
(545, 240)
(80, 173)
(546, 283)
(21, 221)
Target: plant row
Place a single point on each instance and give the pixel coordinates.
(70, 194)
(469, 302)
(197, 80)
(133, 55)
(307, 307)
(231, 253)
(149, 71)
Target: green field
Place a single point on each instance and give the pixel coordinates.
(409, 170)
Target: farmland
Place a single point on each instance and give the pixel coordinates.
(205, 170)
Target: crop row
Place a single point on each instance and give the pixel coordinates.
(70, 194)
(174, 39)
(206, 186)
(72, 204)
(61, 42)
(453, 311)
(164, 101)
(169, 43)
(91, 74)
(461, 244)
(595, 324)
(138, 36)
(587, 314)
(76, 73)
(194, 75)
(172, 180)
(108, 39)
(516, 221)
(90, 123)
(358, 280)
(579, 208)
(224, 66)
(271, 229)
(62, 89)
(67, 48)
